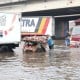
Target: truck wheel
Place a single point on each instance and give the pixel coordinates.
(10, 49)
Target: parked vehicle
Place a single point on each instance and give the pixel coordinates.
(10, 34)
(38, 27)
(75, 37)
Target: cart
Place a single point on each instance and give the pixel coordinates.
(35, 43)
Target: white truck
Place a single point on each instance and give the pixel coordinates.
(10, 34)
(34, 30)
(39, 25)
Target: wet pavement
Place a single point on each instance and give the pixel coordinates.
(60, 63)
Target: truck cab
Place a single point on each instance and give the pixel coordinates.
(75, 37)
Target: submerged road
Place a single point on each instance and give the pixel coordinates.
(58, 64)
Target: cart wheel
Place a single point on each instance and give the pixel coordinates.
(43, 49)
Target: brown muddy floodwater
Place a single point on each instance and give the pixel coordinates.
(58, 64)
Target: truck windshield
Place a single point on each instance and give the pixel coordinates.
(76, 31)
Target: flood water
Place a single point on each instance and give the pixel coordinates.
(57, 64)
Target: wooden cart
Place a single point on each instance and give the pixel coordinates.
(35, 43)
